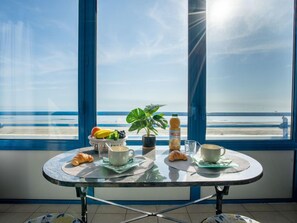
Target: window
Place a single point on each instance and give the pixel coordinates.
(142, 59)
(249, 69)
(38, 69)
(227, 73)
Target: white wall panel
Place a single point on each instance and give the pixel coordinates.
(21, 177)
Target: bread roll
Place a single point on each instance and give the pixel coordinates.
(177, 155)
(82, 158)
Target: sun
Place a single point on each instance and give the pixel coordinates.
(218, 11)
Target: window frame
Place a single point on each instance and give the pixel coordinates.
(87, 32)
(197, 91)
(86, 88)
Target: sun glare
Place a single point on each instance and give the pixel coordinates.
(219, 11)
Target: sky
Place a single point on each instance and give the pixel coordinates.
(249, 55)
(142, 54)
(38, 55)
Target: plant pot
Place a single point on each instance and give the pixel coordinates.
(148, 142)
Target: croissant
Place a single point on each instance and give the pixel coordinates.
(82, 158)
(177, 155)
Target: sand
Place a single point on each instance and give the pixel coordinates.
(72, 132)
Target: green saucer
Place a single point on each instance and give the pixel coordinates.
(136, 161)
(222, 163)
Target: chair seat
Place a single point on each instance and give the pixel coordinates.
(229, 218)
(54, 218)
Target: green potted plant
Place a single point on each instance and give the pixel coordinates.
(147, 119)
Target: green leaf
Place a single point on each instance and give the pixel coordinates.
(154, 130)
(164, 123)
(151, 109)
(161, 124)
(137, 125)
(158, 117)
(160, 121)
(134, 115)
(146, 119)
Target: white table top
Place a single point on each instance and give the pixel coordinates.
(160, 175)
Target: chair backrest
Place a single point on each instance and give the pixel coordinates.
(55, 218)
(228, 218)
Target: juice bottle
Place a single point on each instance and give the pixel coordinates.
(174, 133)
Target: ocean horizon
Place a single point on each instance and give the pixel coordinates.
(57, 125)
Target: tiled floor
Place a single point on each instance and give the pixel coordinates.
(262, 212)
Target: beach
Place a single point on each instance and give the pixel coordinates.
(54, 132)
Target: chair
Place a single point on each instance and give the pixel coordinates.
(55, 218)
(229, 218)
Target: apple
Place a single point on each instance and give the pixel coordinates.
(94, 130)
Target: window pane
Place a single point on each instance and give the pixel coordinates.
(38, 69)
(249, 68)
(142, 59)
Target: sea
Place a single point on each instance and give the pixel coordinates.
(58, 124)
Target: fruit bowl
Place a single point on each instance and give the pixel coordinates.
(99, 144)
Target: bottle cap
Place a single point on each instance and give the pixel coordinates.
(175, 115)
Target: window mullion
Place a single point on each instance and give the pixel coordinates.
(197, 70)
(87, 68)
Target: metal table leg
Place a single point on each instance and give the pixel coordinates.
(82, 193)
(220, 192)
(146, 214)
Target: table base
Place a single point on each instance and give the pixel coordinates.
(82, 193)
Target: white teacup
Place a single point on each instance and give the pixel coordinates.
(120, 155)
(211, 153)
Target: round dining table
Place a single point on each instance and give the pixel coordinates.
(155, 171)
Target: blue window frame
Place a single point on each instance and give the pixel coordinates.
(86, 96)
(197, 112)
(196, 88)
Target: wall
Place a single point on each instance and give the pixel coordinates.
(21, 178)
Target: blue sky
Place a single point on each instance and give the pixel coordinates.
(38, 55)
(249, 55)
(142, 54)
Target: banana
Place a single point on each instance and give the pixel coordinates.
(103, 133)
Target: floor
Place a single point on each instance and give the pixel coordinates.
(262, 212)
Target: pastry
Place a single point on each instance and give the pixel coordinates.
(177, 155)
(82, 158)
